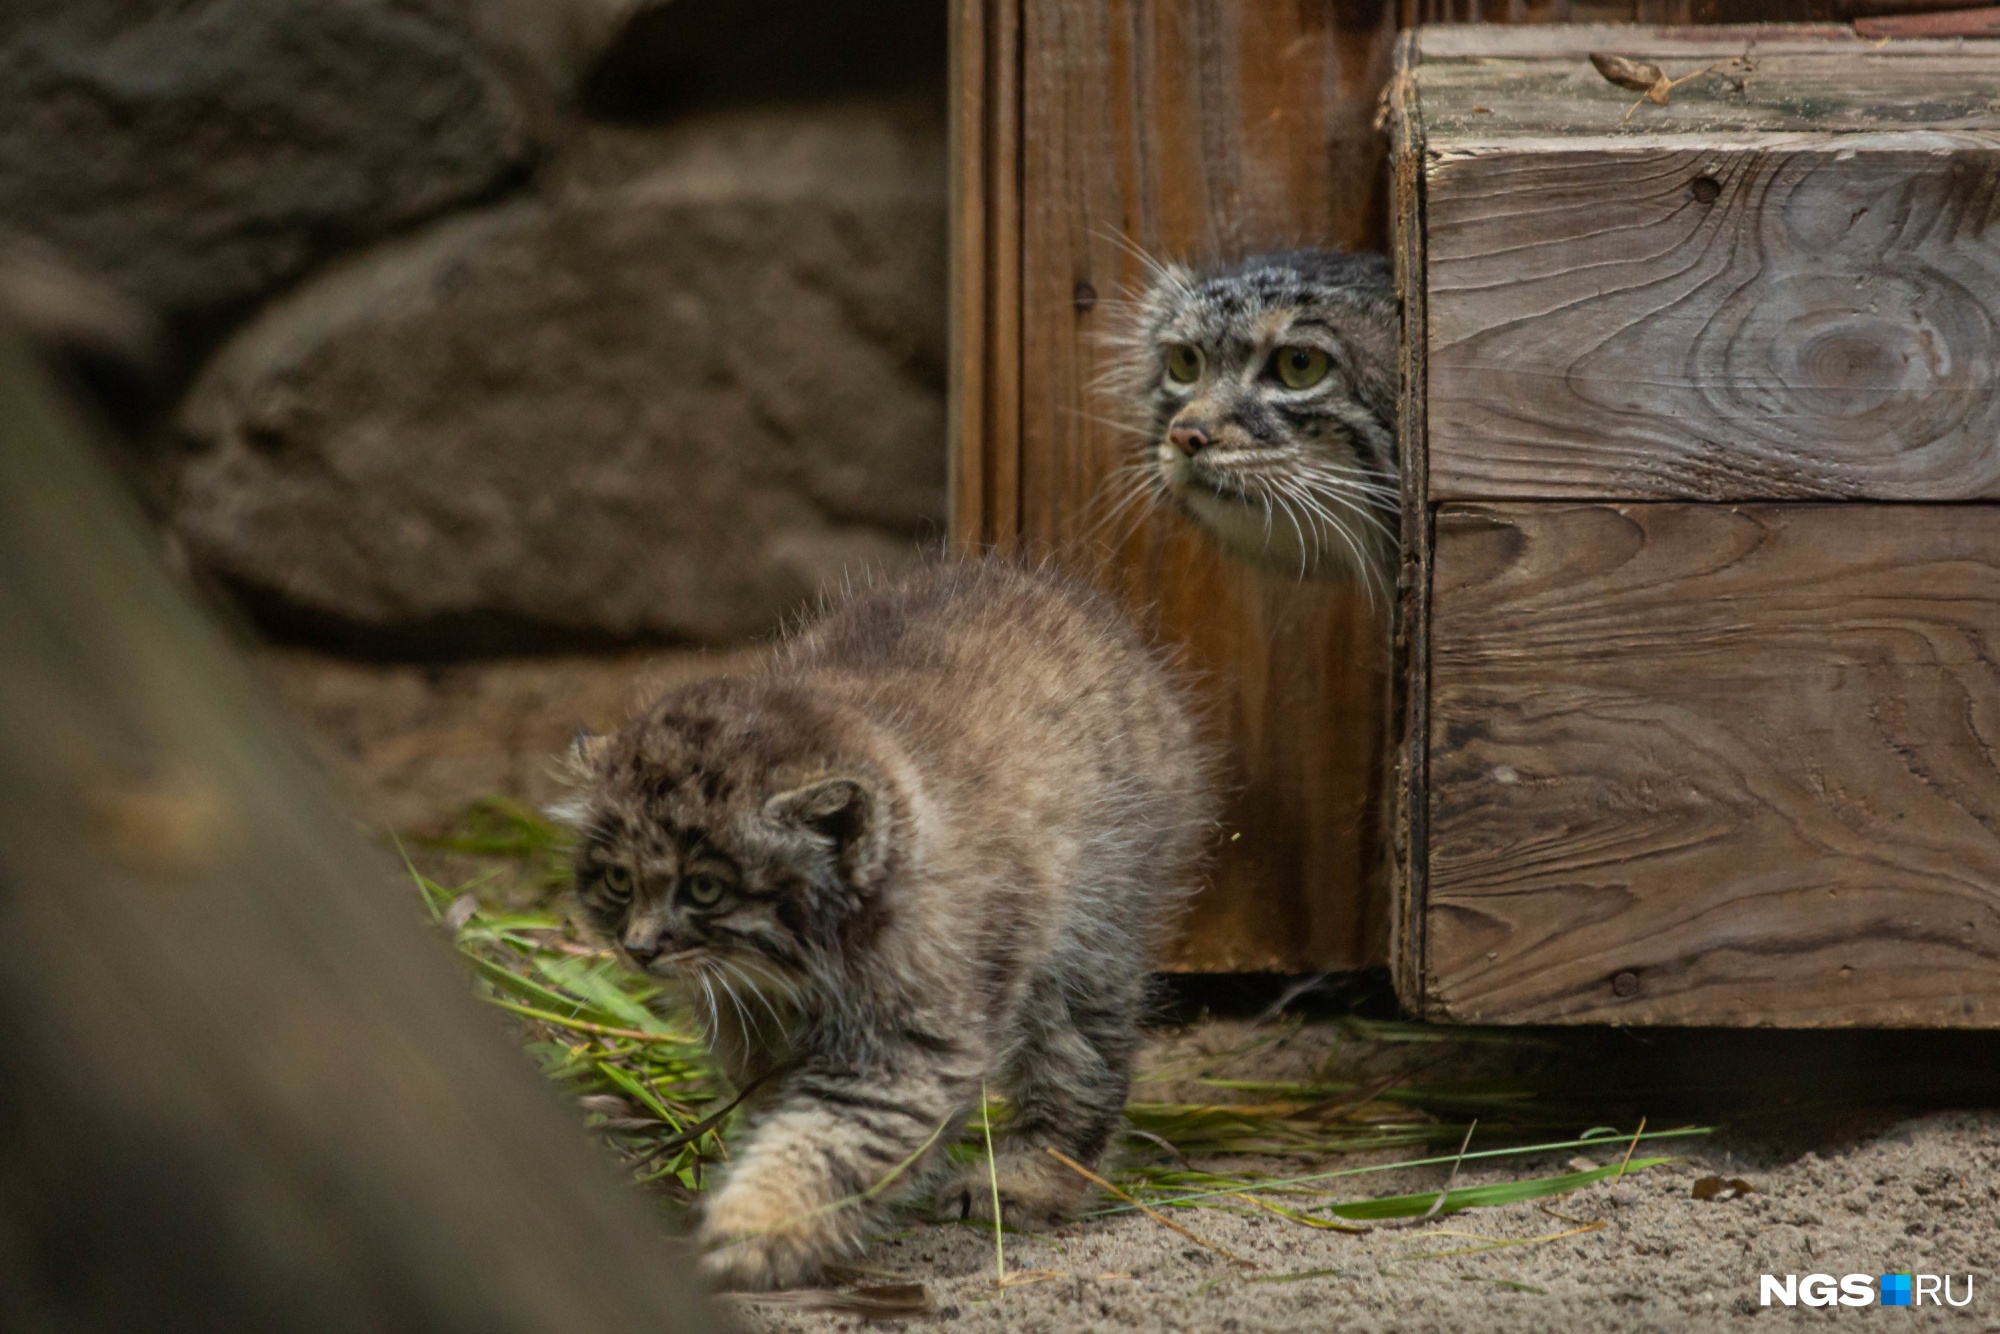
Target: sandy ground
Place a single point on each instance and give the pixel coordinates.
(1868, 1153)
(1921, 1196)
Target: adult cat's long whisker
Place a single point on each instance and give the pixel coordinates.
(1364, 567)
(1366, 512)
(1297, 497)
(1127, 427)
(1284, 507)
(1143, 485)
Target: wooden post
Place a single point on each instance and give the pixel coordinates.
(1090, 130)
(240, 1089)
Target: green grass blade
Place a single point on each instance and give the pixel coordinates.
(1480, 1197)
(1515, 1152)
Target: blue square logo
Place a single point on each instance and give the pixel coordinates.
(1895, 1289)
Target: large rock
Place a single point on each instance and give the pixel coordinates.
(696, 379)
(200, 155)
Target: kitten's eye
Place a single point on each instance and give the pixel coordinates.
(704, 890)
(1183, 363)
(1301, 367)
(616, 882)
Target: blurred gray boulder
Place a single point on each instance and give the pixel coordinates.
(693, 379)
(200, 155)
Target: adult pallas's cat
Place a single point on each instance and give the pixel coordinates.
(934, 843)
(1265, 392)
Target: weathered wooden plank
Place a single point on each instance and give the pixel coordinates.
(1760, 24)
(984, 431)
(966, 423)
(1409, 696)
(1203, 130)
(1715, 764)
(1716, 323)
(1470, 105)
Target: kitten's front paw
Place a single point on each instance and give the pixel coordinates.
(753, 1239)
(756, 1264)
(1036, 1191)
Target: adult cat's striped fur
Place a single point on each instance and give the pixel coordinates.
(935, 842)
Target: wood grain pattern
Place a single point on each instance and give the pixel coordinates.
(1405, 805)
(1205, 130)
(1563, 98)
(1775, 29)
(985, 387)
(1727, 764)
(1741, 296)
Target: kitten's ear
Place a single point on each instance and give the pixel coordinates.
(579, 767)
(847, 813)
(586, 748)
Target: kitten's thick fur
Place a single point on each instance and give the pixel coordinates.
(1300, 478)
(948, 824)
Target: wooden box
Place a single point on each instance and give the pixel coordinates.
(1702, 522)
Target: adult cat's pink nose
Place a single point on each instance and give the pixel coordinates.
(1189, 440)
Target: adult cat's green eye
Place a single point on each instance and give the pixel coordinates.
(617, 883)
(1183, 363)
(704, 890)
(1301, 367)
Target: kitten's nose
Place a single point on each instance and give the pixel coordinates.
(643, 950)
(1189, 440)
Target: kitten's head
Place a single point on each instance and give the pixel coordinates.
(729, 834)
(1269, 393)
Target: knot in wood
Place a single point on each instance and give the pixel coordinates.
(1085, 297)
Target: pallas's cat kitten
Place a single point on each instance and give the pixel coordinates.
(934, 843)
(1268, 396)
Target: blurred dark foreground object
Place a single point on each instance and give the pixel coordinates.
(104, 343)
(239, 1087)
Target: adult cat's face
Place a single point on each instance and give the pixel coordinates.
(1270, 389)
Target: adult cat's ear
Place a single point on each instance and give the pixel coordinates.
(848, 814)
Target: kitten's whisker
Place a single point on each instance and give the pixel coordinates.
(714, 1015)
(736, 1003)
(757, 991)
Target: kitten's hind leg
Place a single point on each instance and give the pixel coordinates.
(1067, 1082)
